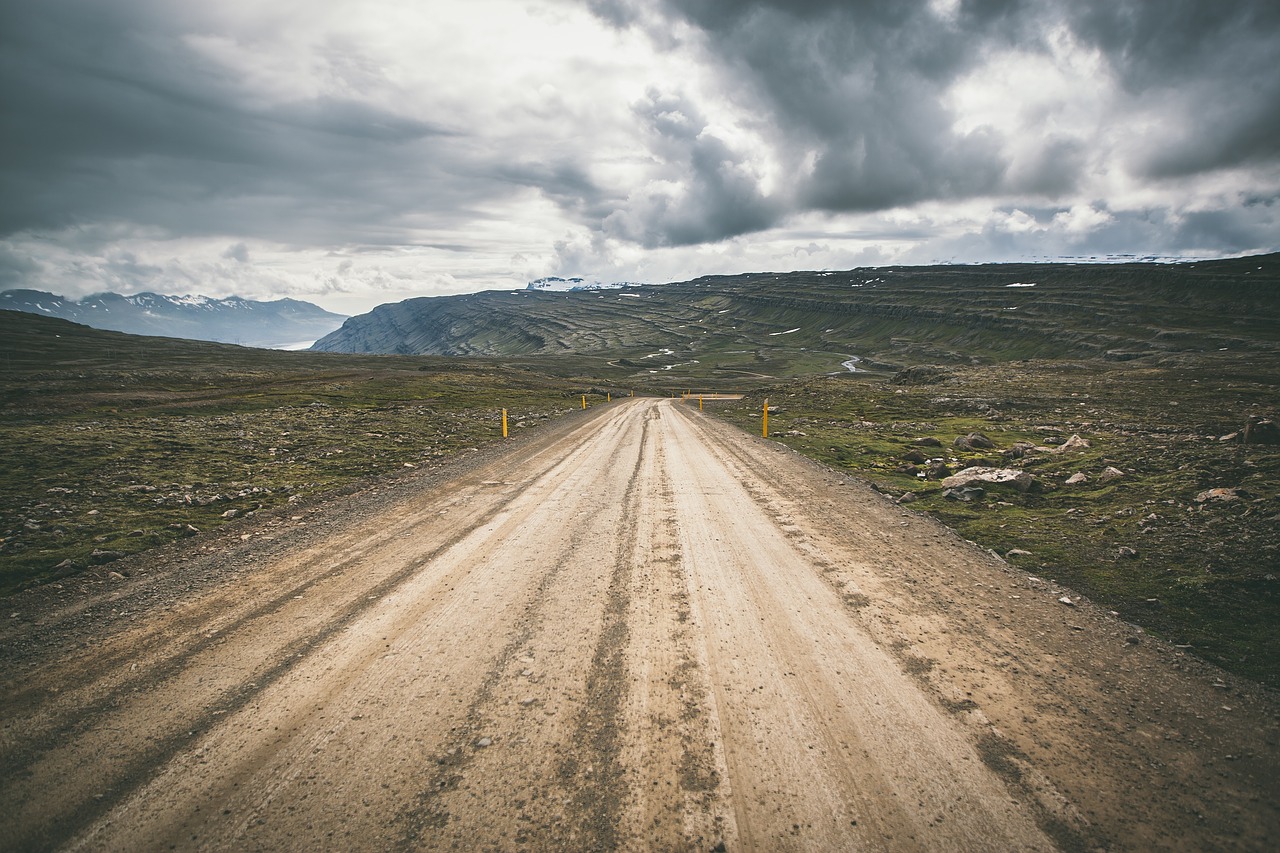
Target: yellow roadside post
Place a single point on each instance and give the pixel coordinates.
(608, 398)
(699, 402)
(764, 423)
(584, 401)
(504, 423)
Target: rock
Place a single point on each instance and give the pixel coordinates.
(936, 471)
(915, 456)
(909, 470)
(527, 701)
(1126, 552)
(979, 441)
(964, 493)
(1020, 480)
(1067, 601)
(114, 576)
(98, 557)
(484, 742)
(1109, 473)
(796, 432)
(1017, 552)
(927, 441)
(1260, 431)
(909, 497)
(1077, 479)
(1220, 495)
(1073, 443)
(1019, 450)
(231, 513)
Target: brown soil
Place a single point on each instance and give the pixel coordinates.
(638, 629)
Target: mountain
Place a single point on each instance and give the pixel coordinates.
(816, 322)
(278, 324)
(555, 283)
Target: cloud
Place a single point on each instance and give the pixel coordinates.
(861, 98)
(702, 189)
(152, 144)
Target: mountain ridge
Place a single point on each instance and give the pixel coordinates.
(233, 319)
(779, 324)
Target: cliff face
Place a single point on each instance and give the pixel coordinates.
(899, 314)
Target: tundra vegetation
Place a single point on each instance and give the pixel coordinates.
(111, 444)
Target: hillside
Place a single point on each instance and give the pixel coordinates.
(278, 323)
(767, 325)
(112, 444)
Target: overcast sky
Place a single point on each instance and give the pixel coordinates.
(353, 153)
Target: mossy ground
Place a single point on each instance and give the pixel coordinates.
(1199, 573)
(111, 444)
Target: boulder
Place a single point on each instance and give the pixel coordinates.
(1109, 473)
(964, 493)
(915, 456)
(974, 441)
(936, 471)
(1219, 495)
(1077, 479)
(1020, 480)
(1073, 443)
(1260, 431)
(1019, 450)
(927, 441)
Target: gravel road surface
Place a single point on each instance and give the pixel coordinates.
(639, 628)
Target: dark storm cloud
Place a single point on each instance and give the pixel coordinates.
(855, 90)
(1215, 61)
(708, 192)
(111, 116)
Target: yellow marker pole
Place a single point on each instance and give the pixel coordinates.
(609, 397)
(764, 424)
(699, 402)
(504, 423)
(633, 393)
(584, 401)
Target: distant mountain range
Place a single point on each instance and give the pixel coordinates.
(767, 324)
(279, 324)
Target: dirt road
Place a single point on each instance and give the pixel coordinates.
(641, 629)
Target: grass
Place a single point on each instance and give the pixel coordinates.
(1200, 573)
(112, 444)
